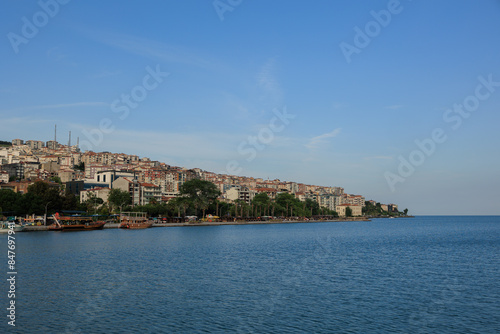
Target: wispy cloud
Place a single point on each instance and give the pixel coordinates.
(56, 54)
(105, 74)
(147, 48)
(58, 106)
(394, 107)
(380, 157)
(237, 107)
(19, 121)
(315, 142)
(338, 105)
(266, 80)
(38, 129)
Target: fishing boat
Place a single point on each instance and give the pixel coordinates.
(75, 223)
(134, 220)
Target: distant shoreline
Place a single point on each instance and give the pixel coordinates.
(239, 222)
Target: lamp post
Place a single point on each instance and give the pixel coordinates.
(45, 216)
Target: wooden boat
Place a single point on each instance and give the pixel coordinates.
(134, 220)
(75, 223)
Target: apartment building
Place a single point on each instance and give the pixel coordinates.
(329, 201)
(239, 193)
(4, 177)
(392, 207)
(167, 180)
(52, 145)
(109, 176)
(148, 193)
(353, 199)
(132, 186)
(35, 144)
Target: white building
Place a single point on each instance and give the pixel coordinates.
(149, 192)
(329, 201)
(239, 193)
(107, 177)
(4, 177)
(102, 193)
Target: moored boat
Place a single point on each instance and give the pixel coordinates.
(75, 223)
(134, 220)
(7, 226)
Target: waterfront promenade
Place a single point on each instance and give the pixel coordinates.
(239, 222)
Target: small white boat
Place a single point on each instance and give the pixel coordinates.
(6, 226)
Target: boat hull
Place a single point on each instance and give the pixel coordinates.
(136, 226)
(6, 228)
(77, 227)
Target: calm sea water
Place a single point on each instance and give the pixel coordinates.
(420, 275)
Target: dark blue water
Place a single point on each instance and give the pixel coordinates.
(420, 275)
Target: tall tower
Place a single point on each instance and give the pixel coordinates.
(55, 133)
(69, 142)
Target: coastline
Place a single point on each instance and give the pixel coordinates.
(245, 222)
(239, 222)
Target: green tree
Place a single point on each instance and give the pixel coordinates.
(288, 205)
(10, 201)
(80, 166)
(405, 212)
(119, 198)
(39, 188)
(312, 207)
(92, 203)
(175, 205)
(261, 204)
(348, 212)
(70, 202)
(56, 179)
(199, 193)
(153, 209)
(42, 195)
(261, 199)
(373, 210)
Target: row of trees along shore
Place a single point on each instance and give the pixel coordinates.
(196, 198)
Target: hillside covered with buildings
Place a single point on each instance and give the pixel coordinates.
(94, 174)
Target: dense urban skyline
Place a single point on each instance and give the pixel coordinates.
(394, 100)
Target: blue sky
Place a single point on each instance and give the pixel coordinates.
(352, 120)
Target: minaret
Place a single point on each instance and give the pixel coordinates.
(69, 142)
